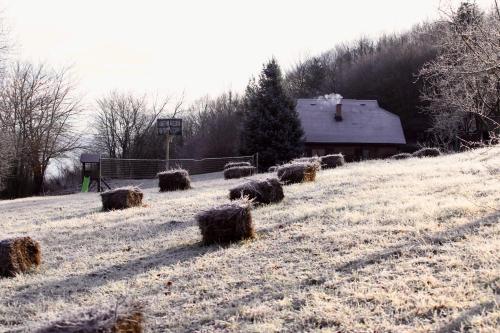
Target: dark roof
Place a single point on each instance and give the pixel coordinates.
(363, 121)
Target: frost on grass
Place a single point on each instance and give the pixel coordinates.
(401, 246)
(126, 318)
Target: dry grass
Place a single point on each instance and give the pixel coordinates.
(401, 246)
(126, 318)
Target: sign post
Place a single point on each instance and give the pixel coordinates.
(169, 127)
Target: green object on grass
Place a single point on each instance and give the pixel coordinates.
(85, 184)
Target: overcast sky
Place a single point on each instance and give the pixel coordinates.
(200, 47)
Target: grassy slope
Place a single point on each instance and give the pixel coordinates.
(381, 245)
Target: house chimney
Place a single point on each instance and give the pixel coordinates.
(338, 108)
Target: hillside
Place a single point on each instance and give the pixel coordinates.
(374, 246)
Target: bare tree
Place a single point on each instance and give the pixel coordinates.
(37, 106)
(124, 122)
(212, 127)
(462, 86)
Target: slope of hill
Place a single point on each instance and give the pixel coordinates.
(406, 245)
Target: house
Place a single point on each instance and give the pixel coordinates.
(360, 129)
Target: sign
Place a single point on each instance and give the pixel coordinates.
(172, 126)
(90, 158)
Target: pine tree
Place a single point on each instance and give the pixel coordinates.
(271, 124)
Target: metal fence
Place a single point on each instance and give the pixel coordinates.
(114, 168)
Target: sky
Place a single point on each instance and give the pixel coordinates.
(190, 47)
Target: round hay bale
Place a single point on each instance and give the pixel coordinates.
(173, 180)
(121, 198)
(124, 319)
(227, 223)
(18, 255)
(297, 173)
(401, 156)
(272, 168)
(427, 152)
(332, 161)
(260, 192)
(238, 172)
(236, 164)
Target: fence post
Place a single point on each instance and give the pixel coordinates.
(257, 161)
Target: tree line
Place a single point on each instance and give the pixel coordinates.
(441, 78)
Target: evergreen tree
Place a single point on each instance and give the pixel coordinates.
(271, 124)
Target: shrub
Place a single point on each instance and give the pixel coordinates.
(227, 223)
(173, 180)
(121, 198)
(297, 173)
(18, 255)
(332, 161)
(427, 152)
(261, 192)
(238, 172)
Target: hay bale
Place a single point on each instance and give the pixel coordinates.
(297, 173)
(236, 164)
(238, 172)
(227, 223)
(18, 255)
(401, 156)
(427, 152)
(121, 198)
(313, 160)
(260, 192)
(332, 161)
(173, 180)
(272, 168)
(124, 319)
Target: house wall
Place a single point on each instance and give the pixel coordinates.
(352, 152)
